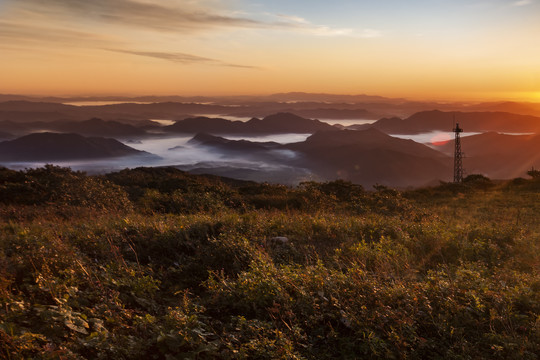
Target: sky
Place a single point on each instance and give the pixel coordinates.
(417, 49)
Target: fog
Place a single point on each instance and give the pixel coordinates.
(178, 152)
(432, 138)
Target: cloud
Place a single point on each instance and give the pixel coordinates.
(180, 16)
(294, 19)
(370, 33)
(329, 31)
(181, 58)
(297, 23)
(163, 16)
(19, 34)
(99, 24)
(522, 3)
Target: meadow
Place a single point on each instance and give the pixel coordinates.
(159, 264)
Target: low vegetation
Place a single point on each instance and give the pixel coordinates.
(160, 264)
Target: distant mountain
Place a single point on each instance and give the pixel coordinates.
(14, 128)
(30, 111)
(28, 116)
(427, 121)
(23, 105)
(57, 147)
(367, 138)
(92, 127)
(267, 152)
(322, 97)
(205, 125)
(310, 105)
(523, 108)
(96, 127)
(5, 135)
(498, 156)
(243, 146)
(370, 156)
(280, 123)
(366, 157)
(336, 114)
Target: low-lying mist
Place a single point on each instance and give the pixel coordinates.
(177, 151)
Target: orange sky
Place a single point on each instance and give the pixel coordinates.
(434, 50)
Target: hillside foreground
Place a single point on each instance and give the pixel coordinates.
(160, 264)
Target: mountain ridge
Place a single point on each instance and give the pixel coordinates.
(54, 146)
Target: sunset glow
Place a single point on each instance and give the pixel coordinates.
(440, 139)
(437, 50)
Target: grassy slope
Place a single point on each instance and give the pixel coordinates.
(166, 265)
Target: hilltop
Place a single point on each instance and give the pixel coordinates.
(53, 146)
(280, 123)
(371, 157)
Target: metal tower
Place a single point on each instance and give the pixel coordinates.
(458, 164)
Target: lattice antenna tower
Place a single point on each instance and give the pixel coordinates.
(458, 155)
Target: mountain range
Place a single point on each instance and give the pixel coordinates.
(364, 154)
(365, 157)
(435, 120)
(318, 106)
(281, 123)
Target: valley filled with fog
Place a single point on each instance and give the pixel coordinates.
(364, 140)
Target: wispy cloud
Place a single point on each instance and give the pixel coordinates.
(292, 22)
(15, 33)
(181, 58)
(321, 30)
(293, 19)
(180, 16)
(522, 2)
(164, 16)
(109, 24)
(370, 33)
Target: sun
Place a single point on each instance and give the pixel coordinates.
(532, 96)
(526, 96)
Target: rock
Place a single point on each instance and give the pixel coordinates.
(279, 240)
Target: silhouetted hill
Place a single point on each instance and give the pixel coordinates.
(92, 127)
(328, 106)
(204, 124)
(366, 138)
(280, 123)
(498, 156)
(29, 111)
(29, 116)
(5, 135)
(243, 149)
(286, 123)
(508, 106)
(336, 114)
(366, 157)
(96, 127)
(427, 121)
(370, 156)
(322, 97)
(243, 146)
(14, 128)
(22, 105)
(52, 146)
